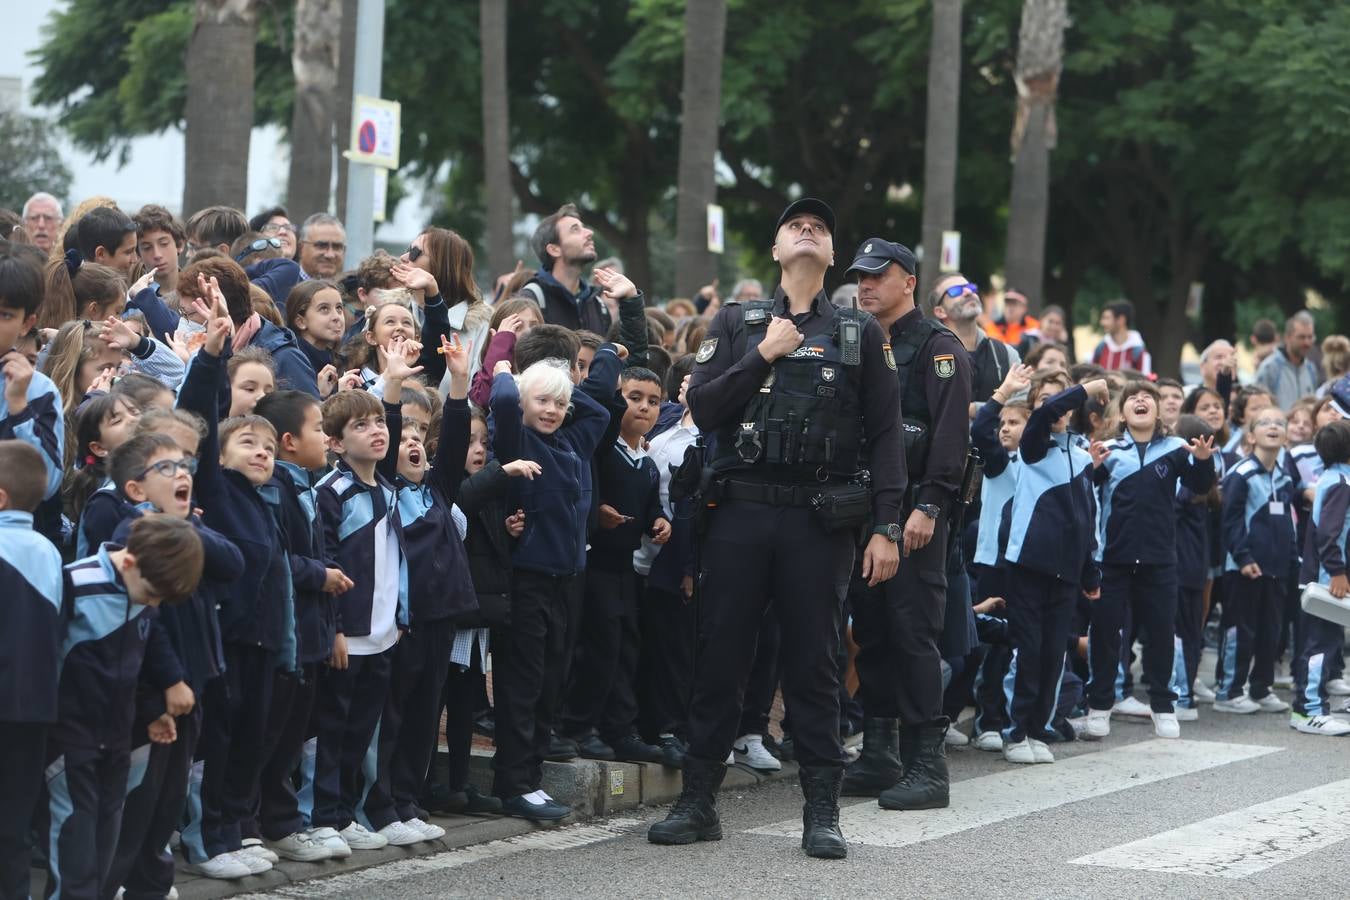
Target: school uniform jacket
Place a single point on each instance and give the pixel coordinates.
(1192, 537)
(42, 425)
(310, 558)
(354, 516)
(30, 620)
(1328, 549)
(630, 483)
(1258, 523)
(105, 509)
(1001, 469)
(1138, 485)
(487, 544)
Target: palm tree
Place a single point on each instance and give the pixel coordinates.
(343, 120)
(940, 135)
(1040, 57)
(705, 26)
(219, 107)
(496, 135)
(314, 59)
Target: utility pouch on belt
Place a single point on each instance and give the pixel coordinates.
(843, 506)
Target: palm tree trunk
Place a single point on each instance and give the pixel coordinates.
(940, 134)
(343, 108)
(1040, 57)
(318, 24)
(219, 109)
(705, 26)
(496, 135)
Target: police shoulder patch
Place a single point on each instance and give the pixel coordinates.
(706, 350)
(889, 356)
(944, 365)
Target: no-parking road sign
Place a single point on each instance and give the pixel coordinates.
(375, 132)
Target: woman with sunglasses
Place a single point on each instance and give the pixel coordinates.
(955, 302)
(440, 263)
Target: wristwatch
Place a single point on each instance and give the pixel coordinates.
(893, 532)
(930, 510)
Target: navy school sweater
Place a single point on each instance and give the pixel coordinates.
(631, 484)
(1258, 523)
(30, 609)
(487, 544)
(1138, 485)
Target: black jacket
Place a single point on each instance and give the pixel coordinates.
(483, 500)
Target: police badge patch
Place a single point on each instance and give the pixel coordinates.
(889, 356)
(827, 373)
(944, 365)
(706, 350)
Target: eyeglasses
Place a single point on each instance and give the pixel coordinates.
(414, 253)
(328, 246)
(957, 290)
(1270, 423)
(256, 246)
(41, 217)
(278, 228)
(169, 468)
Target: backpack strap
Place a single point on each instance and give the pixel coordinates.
(534, 290)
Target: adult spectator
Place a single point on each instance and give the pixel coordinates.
(1014, 328)
(1121, 347)
(1288, 373)
(42, 219)
(1054, 326)
(955, 302)
(565, 246)
(216, 227)
(1264, 339)
(1218, 369)
(323, 245)
(276, 222)
(107, 236)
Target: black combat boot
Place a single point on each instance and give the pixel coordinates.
(694, 816)
(879, 765)
(925, 783)
(821, 836)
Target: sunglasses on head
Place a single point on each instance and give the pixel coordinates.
(259, 244)
(957, 290)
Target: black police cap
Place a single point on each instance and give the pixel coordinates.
(875, 254)
(807, 206)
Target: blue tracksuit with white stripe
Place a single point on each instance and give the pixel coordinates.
(1258, 528)
(1327, 551)
(1193, 553)
(104, 636)
(42, 424)
(1138, 553)
(1051, 541)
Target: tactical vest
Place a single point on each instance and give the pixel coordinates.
(808, 412)
(916, 417)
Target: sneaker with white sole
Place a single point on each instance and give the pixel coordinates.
(1132, 706)
(256, 864)
(428, 831)
(955, 738)
(255, 847)
(358, 837)
(1338, 687)
(223, 866)
(1165, 725)
(1188, 714)
(989, 741)
(1020, 752)
(1040, 751)
(1271, 703)
(399, 834)
(300, 847)
(749, 751)
(330, 840)
(1098, 724)
(1242, 705)
(1201, 692)
(1319, 725)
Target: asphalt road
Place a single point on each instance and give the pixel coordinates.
(1242, 806)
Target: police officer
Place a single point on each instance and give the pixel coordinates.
(790, 389)
(897, 625)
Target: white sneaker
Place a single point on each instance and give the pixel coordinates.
(1271, 703)
(989, 741)
(1188, 714)
(223, 866)
(1132, 706)
(1098, 724)
(172, 894)
(398, 834)
(956, 738)
(1319, 725)
(731, 758)
(330, 840)
(1040, 751)
(256, 864)
(1338, 687)
(1201, 692)
(358, 837)
(1243, 705)
(303, 848)
(1021, 752)
(749, 751)
(428, 831)
(1165, 725)
(254, 846)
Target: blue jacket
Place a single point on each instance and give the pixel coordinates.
(354, 516)
(557, 502)
(1051, 522)
(1193, 539)
(103, 640)
(42, 424)
(1001, 469)
(30, 585)
(1329, 532)
(1258, 522)
(310, 558)
(293, 369)
(277, 277)
(1138, 484)
(159, 319)
(103, 512)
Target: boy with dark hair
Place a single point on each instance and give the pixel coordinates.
(108, 236)
(215, 226)
(359, 511)
(548, 342)
(107, 611)
(159, 244)
(30, 583)
(602, 708)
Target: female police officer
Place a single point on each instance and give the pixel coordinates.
(790, 390)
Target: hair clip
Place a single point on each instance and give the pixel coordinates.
(73, 261)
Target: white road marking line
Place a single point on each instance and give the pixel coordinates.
(1242, 842)
(1022, 790)
(564, 838)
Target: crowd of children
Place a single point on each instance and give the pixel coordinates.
(261, 534)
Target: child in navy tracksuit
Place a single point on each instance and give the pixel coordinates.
(439, 588)
(1138, 474)
(530, 663)
(1193, 552)
(1325, 561)
(106, 617)
(359, 510)
(1258, 527)
(1049, 558)
(30, 585)
(602, 707)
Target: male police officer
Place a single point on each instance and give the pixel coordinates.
(897, 625)
(790, 389)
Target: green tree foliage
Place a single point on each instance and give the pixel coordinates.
(33, 162)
